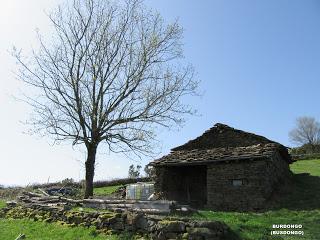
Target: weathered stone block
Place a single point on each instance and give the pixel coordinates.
(171, 226)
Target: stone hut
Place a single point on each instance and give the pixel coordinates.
(224, 169)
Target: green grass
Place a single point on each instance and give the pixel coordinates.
(305, 193)
(2, 203)
(258, 225)
(301, 205)
(10, 229)
(105, 191)
(307, 166)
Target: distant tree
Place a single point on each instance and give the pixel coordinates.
(134, 172)
(149, 171)
(307, 131)
(112, 71)
(68, 182)
(138, 169)
(131, 171)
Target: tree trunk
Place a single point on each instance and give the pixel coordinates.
(91, 158)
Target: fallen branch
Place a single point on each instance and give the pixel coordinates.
(21, 236)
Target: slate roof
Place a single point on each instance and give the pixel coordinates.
(202, 156)
(223, 143)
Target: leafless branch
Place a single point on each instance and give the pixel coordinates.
(307, 131)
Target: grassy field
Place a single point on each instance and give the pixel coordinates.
(104, 191)
(300, 206)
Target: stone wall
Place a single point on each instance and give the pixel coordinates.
(259, 178)
(278, 172)
(150, 227)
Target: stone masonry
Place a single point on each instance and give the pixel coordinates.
(223, 169)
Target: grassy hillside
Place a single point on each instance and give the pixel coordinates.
(307, 166)
(301, 205)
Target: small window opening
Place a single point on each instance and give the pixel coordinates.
(238, 182)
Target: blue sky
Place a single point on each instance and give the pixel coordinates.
(258, 62)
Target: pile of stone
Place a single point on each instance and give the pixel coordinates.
(152, 227)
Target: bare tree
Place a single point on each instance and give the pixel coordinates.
(111, 73)
(307, 131)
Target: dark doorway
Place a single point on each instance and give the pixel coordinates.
(186, 184)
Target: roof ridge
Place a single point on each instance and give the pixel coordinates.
(259, 145)
(223, 135)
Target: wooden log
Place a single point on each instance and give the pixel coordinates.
(72, 201)
(56, 202)
(43, 192)
(35, 197)
(151, 211)
(32, 194)
(44, 207)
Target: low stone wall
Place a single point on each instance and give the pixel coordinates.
(152, 227)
